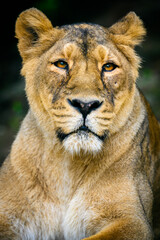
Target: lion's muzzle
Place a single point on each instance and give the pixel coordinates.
(82, 138)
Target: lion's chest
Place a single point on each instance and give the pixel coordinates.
(70, 220)
(60, 222)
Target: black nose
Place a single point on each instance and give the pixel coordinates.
(85, 107)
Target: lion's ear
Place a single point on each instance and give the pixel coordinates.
(128, 31)
(32, 29)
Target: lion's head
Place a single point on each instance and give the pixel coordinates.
(80, 79)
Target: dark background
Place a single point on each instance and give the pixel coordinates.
(13, 103)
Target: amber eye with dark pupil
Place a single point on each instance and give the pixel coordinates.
(108, 67)
(61, 64)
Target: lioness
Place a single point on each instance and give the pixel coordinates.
(85, 163)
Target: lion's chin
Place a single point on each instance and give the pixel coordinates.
(82, 142)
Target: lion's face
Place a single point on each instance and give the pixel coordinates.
(85, 80)
(82, 86)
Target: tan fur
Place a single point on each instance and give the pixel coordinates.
(94, 183)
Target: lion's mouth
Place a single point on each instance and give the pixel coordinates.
(81, 130)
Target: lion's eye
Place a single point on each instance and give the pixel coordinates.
(108, 67)
(61, 64)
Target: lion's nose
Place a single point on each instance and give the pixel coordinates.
(85, 107)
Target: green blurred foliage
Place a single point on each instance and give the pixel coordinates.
(17, 107)
(17, 115)
(149, 83)
(48, 6)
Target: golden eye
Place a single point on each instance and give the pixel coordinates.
(108, 67)
(61, 64)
